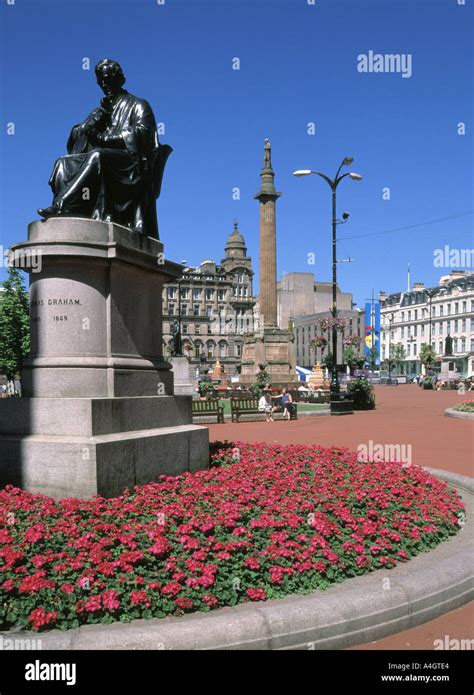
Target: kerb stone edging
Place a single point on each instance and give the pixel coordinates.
(451, 412)
(359, 610)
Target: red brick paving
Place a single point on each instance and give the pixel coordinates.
(404, 415)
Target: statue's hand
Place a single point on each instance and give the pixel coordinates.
(96, 121)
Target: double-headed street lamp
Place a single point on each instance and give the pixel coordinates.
(334, 183)
(178, 339)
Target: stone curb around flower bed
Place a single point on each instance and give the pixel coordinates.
(450, 412)
(359, 610)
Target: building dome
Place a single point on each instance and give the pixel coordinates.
(235, 246)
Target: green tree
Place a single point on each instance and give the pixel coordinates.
(14, 325)
(263, 379)
(427, 355)
(397, 355)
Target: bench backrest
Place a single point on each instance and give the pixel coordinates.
(244, 403)
(206, 406)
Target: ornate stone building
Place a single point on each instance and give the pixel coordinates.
(430, 315)
(216, 306)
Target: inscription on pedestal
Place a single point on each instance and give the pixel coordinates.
(52, 302)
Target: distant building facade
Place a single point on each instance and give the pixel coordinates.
(431, 314)
(300, 295)
(306, 328)
(217, 309)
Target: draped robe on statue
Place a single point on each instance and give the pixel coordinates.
(119, 183)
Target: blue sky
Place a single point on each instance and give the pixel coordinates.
(298, 65)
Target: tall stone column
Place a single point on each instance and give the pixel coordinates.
(267, 196)
(269, 345)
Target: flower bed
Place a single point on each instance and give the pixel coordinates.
(265, 521)
(465, 407)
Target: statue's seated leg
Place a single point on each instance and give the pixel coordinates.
(75, 182)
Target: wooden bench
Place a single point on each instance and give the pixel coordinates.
(323, 396)
(207, 408)
(249, 406)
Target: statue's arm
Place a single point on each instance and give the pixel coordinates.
(93, 124)
(141, 137)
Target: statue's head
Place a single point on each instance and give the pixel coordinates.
(110, 77)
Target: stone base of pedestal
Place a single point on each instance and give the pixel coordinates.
(274, 348)
(182, 384)
(98, 413)
(80, 447)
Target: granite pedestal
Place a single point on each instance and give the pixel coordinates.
(99, 412)
(183, 385)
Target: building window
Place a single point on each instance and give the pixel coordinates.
(440, 346)
(408, 349)
(210, 348)
(185, 328)
(441, 310)
(221, 295)
(196, 310)
(456, 326)
(184, 309)
(448, 309)
(209, 293)
(456, 307)
(197, 328)
(184, 293)
(171, 292)
(208, 310)
(171, 309)
(472, 345)
(464, 307)
(416, 314)
(238, 349)
(196, 294)
(463, 344)
(414, 349)
(464, 324)
(223, 349)
(455, 345)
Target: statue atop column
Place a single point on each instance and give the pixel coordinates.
(115, 162)
(267, 154)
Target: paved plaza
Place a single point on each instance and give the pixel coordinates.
(405, 415)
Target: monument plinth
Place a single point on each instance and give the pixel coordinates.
(316, 379)
(270, 345)
(98, 411)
